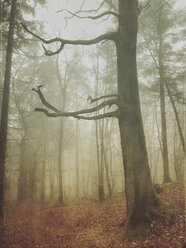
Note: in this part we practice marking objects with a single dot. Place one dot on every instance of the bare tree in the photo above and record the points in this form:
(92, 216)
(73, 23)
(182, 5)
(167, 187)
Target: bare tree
(140, 195)
(158, 52)
(162, 102)
(5, 103)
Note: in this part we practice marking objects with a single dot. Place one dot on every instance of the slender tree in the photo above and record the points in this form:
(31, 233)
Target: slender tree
(140, 195)
(162, 105)
(156, 27)
(5, 103)
(43, 173)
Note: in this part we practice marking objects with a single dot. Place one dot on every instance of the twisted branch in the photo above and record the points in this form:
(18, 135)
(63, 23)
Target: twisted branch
(76, 114)
(103, 37)
(91, 100)
(109, 12)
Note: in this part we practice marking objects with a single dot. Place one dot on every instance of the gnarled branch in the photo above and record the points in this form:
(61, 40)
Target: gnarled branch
(43, 100)
(87, 11)
(75, 114)
(103, 37)
(79, 117)
(142, 7)
(101, 97)
(109, 2)
(109, 12)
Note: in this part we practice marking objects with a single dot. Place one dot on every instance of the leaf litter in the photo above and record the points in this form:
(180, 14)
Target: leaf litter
(90, 224)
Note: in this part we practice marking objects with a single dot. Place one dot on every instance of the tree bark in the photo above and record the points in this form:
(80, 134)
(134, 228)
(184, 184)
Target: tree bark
(22, 180)
(177, 117)
(100, 174)
(101, 193)
(60, 155)
(162, 107)
(63, 89)
(52, 182)
(43, 174)
(77, 148)
(5, 103)
(140, 196)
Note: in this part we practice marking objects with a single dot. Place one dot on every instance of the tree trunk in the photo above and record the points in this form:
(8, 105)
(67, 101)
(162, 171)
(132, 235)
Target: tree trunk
(100, 174)
(101, 193)
(77, 148)
(177, 117)
(140, 195)
(5, 103)
(22, 180)
(105, 154)
(178, 160)
(43, 175)
(52, 181)
(77, 159)
(33, 175)
(162, 107)
(60, 155)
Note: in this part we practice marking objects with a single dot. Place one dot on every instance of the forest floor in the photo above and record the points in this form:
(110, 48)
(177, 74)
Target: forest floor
(92, 224)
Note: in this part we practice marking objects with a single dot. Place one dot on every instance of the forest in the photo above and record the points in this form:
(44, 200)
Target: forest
(92, 124)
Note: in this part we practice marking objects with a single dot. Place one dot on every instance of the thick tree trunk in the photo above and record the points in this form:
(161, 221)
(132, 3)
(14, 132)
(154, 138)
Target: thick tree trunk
(140, 195)
(5, 103)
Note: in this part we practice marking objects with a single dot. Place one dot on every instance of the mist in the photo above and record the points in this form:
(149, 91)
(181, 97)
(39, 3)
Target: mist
(93, 123)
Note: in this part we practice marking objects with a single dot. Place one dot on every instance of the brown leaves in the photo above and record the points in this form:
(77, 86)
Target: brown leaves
(91, 224)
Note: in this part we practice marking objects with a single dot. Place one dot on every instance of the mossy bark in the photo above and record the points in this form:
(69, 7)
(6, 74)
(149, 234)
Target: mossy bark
(140, 195)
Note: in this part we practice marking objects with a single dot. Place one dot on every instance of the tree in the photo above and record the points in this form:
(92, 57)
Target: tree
(125, 105)
(5, 103)
(13, 41)
(158, 29)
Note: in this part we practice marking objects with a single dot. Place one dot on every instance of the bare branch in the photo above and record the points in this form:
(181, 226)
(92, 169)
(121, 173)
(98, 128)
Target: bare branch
(46, 112)
(101, 116)
(103, 37)
(167, 4)
(109, 12)
(42, 98)
(112, 6)
(79, 117)
(50, 53)
(82, 4)
(150, 51)
(86, 11)
(101, 97)
(141, 8)
(75, 114)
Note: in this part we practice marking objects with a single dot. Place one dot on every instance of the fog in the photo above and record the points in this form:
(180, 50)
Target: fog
(57, 154)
